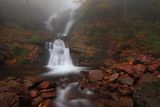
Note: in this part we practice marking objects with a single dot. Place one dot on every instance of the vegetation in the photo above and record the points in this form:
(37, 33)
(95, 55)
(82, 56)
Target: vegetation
(18, 51)
(34, 39)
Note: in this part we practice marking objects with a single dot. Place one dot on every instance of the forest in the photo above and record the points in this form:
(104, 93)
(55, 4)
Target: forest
(80, 53)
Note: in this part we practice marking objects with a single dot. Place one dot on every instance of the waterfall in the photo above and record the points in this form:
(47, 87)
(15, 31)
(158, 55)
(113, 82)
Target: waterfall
(60, 61)
(59, 54)
(70, 23)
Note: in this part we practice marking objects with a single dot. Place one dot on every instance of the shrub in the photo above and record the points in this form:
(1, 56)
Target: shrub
(34, 39)
(153, 42)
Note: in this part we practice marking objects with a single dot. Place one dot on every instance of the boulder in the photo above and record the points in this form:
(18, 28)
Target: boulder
(126, 80)
(126, 67)
(113, 77)
(154, 66)
(138, 70)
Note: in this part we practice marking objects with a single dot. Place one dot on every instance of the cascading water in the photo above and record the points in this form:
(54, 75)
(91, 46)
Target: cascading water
(59, 54)
(60, 61)
(70, 23)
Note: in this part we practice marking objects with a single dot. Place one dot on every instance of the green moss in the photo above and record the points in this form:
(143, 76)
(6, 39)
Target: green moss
(117, 35)
(34, 39)
(18, 51)
(21, 61)
(153, 42)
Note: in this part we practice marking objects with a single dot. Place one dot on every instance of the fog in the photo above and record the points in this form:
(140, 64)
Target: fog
(38, 10)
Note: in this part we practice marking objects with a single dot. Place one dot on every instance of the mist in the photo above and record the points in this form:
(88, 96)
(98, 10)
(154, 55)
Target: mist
(32, 10)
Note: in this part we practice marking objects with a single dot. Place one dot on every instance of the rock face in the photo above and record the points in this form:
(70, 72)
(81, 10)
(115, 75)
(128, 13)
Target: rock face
(95, 75)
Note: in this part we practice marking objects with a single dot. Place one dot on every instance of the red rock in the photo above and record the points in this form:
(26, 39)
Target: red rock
(126, 80)
(34, 93)
(48, 90)
(144, 59)
(139, 69)
(47, 103)
(126, 67)
(113, 77)
(124, 91)
(44, 85)
(48, 95)
(154, 66)
(125, 102)
(95, 75)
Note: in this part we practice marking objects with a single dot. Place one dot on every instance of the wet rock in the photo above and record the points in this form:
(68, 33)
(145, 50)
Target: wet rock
(47, 90)
(37, 101)
(47, 103)
(34, 93)
(113, 77)
(95, 75)
(9, 100)
(31, 81)
(126, 80)
(48, 95)
(46, 84)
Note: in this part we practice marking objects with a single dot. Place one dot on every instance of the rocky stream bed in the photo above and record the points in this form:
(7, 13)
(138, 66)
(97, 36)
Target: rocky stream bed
(133, 83)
